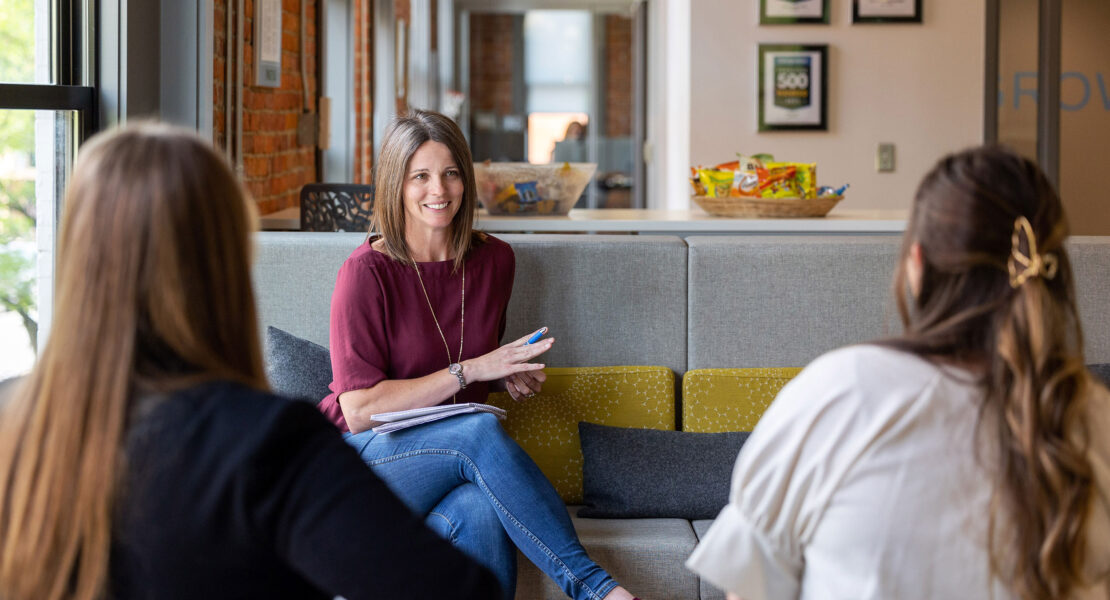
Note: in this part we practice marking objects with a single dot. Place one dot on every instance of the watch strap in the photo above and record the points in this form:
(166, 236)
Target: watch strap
(456, 369)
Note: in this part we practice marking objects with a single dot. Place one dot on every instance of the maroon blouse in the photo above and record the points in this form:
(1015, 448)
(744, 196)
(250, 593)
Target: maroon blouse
(382, 328)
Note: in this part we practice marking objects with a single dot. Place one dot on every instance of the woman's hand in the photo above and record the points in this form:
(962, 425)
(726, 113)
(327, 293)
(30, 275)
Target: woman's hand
(510, 360)
(524, 384)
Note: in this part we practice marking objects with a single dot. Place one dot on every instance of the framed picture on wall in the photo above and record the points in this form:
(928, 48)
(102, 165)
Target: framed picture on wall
(793, 87)
(793, 12)
(886, 11)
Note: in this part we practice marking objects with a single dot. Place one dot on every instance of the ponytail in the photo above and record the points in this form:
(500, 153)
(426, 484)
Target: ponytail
(1036, 401)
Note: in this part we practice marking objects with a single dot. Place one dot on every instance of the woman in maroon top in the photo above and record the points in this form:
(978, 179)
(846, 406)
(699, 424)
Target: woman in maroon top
(416, 319)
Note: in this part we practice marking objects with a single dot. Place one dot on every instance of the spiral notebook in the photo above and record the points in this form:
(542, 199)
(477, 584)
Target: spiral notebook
(403, 419)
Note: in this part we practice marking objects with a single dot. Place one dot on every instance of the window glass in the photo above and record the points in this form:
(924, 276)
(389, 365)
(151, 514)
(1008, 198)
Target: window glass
(1017, 76)
(19, 28)
(18, 219)
(1085, 115)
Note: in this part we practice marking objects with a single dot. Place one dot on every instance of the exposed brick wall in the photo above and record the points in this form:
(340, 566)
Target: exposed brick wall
(618, 76)
(491, 63)
(274, 165)
(362, 11)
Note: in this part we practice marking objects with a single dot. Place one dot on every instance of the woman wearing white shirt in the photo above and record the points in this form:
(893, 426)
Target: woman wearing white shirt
(964, 459)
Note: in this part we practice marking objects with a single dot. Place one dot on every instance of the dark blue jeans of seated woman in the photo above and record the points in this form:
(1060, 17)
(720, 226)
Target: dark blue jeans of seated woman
(474, 485)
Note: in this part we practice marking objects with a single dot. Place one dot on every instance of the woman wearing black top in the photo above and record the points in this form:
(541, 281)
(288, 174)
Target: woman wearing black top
(144, 458)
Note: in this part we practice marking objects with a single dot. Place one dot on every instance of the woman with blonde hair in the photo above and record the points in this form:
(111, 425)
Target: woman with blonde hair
(417, 317)
(144, 456)
(963, 459)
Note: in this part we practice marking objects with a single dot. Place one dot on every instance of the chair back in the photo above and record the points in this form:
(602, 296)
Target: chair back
(336, 206)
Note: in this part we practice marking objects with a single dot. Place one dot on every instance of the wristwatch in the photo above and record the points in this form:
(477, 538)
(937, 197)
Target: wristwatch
(456, 370)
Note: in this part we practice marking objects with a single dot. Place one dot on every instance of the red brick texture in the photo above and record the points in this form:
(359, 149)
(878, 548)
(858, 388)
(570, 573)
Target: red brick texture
(618, 76)
(362, 11)
(275, 166)
(491, 63)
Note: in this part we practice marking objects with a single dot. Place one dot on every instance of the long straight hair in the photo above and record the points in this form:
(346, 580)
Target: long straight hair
(402, 139)
(153, 294)
(1025, 343)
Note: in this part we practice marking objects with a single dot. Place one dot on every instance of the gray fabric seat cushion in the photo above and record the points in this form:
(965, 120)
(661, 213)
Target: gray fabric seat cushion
(708, 591)
(647, 556)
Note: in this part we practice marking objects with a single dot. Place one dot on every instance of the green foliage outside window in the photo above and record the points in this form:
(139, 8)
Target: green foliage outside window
(17, 185)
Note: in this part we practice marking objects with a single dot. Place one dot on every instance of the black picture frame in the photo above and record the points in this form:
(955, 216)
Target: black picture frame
(863, 17)
(793, 61)
(765, 19)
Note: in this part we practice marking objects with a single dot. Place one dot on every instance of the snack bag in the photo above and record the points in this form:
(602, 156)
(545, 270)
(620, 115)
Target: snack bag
(745, 184)
(717, 183)
(528, 192)
(807, 179)
(696, 184)
(778, 181)
(805, 176)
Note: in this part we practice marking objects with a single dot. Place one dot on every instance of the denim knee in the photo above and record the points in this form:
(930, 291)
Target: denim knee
(465, 511)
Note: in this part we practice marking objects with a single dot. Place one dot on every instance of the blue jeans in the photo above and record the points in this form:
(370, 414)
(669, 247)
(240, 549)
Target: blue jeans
(437, 468)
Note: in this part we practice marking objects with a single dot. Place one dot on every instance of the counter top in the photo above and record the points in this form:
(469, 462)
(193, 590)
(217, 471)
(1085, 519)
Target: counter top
(680, 222)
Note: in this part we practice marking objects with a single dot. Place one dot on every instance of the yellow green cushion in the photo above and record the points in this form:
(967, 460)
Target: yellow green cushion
(715, 400)
(546, 426)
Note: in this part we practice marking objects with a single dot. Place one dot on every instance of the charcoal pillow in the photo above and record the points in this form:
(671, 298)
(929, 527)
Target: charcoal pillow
(297, 368)
(640, 473)
(1102, 371)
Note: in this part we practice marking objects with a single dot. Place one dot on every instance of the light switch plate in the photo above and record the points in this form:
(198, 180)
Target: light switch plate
(884, 159)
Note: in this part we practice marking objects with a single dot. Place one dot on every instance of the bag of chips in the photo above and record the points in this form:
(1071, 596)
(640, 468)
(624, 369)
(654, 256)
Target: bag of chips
(717, 183)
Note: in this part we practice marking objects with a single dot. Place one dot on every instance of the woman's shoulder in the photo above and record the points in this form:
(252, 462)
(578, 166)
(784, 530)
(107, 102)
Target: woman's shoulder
(229, 410)
(366, 263)
(366, 256)
(862, 364)
(491, 244)
(868, 380)
(489, 248)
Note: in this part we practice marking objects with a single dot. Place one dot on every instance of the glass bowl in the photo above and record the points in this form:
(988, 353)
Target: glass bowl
(515, 188)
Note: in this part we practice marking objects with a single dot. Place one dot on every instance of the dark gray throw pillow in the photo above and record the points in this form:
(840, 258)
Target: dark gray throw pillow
(1102, 371)
(296, 367)
(641, 473)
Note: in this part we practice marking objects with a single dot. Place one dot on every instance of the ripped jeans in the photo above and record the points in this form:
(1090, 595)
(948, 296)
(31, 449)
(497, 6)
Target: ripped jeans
(474, 485)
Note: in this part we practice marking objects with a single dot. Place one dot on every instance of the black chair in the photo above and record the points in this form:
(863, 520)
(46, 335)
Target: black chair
(336, 206)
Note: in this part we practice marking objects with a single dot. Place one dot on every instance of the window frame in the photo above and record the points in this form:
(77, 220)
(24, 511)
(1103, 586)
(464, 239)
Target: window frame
(73, 89)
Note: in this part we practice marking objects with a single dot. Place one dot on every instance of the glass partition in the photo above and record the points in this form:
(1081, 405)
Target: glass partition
(1085, 115)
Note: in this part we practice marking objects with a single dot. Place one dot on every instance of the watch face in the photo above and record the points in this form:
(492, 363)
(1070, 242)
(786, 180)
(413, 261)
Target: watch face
(455, 368)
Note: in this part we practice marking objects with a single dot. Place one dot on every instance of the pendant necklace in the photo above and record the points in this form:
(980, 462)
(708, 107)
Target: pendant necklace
(462, 317)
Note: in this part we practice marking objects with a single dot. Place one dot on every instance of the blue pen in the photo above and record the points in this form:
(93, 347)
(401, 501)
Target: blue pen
(536, 336)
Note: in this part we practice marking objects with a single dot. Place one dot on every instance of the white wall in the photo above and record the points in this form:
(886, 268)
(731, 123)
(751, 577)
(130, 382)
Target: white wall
(917, 86)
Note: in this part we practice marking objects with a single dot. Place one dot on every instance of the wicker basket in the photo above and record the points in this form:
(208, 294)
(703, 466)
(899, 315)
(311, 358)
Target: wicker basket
(733, 206)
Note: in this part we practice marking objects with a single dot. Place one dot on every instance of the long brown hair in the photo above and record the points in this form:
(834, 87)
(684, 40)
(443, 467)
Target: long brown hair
(1022, 336)
(402, 138)
(153, 294)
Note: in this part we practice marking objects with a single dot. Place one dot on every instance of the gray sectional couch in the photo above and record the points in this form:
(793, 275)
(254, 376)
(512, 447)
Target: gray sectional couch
(698, 302)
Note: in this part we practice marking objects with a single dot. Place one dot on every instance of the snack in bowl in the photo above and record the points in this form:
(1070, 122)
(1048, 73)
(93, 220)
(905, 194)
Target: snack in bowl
(515, 188)
(760, 187)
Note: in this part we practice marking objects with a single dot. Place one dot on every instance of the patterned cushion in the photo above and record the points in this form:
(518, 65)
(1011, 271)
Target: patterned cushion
(547, 426)
(715, 400)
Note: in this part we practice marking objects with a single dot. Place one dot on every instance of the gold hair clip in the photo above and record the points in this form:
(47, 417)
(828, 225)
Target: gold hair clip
(1030, 265)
